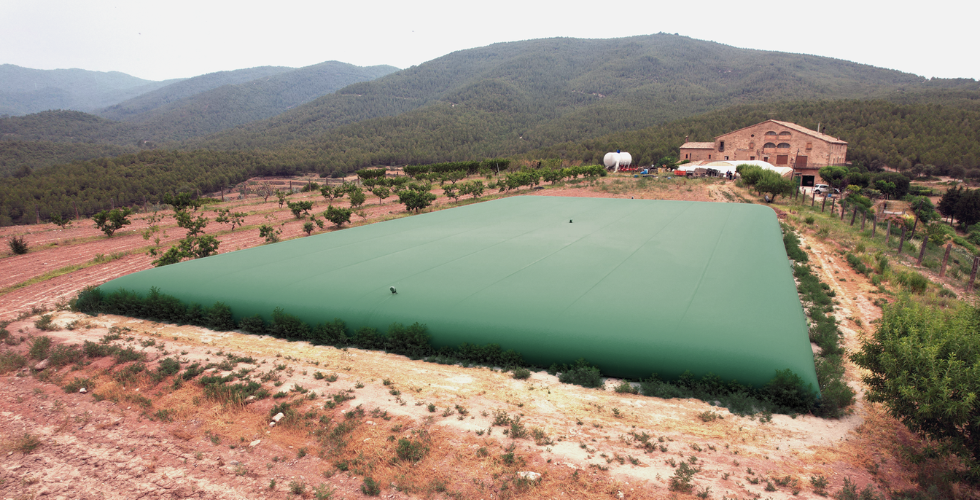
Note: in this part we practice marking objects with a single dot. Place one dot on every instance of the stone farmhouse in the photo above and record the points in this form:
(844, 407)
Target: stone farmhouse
(783, 144)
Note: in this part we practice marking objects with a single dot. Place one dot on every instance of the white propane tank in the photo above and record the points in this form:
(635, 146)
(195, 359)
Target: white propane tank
(617, 159)
(610, 160)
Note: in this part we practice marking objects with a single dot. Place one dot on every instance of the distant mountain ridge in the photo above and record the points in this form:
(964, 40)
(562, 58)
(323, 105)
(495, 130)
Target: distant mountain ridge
(510, 98)
(24, 90)
(133, 109)
(189, 108)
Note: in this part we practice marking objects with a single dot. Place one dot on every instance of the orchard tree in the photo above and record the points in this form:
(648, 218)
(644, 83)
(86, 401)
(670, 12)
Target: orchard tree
(281, 196)
(270, 233)
(416, 197)
(474, 188)
(381, 192)
(113, 220)
(337, 215)
(225, 215)
(924, 365)
(357, 197)
(300, 208)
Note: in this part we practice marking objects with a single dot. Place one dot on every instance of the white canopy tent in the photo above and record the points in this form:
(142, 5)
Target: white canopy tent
(723, 167)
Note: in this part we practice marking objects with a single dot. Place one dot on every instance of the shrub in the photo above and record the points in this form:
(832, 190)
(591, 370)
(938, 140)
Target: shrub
(792, 244)
(522, 373)
(39, 347)
(787, 390)
(913, 281)
(45, 323)
(18, 245)
(168, 366)
(412, 341)
(581, 373)
(627, 388)
(26, 443)
(370, 487)
(252, 324)
(11, 361)
(410, 450)
(64, 355)
(681, 480)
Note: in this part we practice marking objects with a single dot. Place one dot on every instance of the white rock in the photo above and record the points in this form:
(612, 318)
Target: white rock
(82, 390)
(530, 476)
(619, 494)
(272, 424)
(42, 365)
(255, 443)
(279, 416)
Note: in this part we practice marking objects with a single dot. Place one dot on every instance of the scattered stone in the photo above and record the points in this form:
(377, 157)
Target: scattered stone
(279, 416)
(619, 494)
(530, 476)
(255, 443)
(42, 365)
(233, 462)
(272, 424)
(82, 390)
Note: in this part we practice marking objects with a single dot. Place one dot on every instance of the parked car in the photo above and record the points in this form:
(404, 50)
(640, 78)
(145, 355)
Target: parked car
(825, 190)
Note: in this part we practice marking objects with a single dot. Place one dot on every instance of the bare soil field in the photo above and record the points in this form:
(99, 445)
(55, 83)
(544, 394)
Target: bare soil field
(468, 433)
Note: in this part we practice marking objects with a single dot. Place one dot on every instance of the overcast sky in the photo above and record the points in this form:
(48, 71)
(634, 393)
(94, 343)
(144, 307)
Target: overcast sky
(158, 40)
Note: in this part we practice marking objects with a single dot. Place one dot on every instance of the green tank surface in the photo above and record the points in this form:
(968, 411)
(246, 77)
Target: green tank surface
(636, 287)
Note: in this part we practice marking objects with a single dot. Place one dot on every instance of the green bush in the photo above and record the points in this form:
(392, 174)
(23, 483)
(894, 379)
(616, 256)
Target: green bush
(792, 244)
(627, 388)
(39, 347)
(168, 366)
(65, 355)
(411, 451)
(923, 362)
(11, 361)
(913, 281)
(370, 487)
(581, 373)
(522, 373)
(412, 341)
(45, 323)
(18, 245)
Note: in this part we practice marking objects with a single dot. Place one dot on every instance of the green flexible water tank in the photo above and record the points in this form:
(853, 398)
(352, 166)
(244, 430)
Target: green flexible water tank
(633, 286)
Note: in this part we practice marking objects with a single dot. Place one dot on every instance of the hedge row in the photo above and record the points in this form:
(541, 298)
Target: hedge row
(413, 341)
(471, 167)
(786, 393)
(836, 396)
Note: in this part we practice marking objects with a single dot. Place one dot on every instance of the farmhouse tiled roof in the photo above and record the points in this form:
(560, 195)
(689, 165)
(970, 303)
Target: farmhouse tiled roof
(807, 131)
(793, 126)
(698, 145)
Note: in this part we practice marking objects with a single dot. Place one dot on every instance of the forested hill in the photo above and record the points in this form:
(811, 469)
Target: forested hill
(24, 90)
(135, 108)
(877, 132)
(235, 103)
(524, 95)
